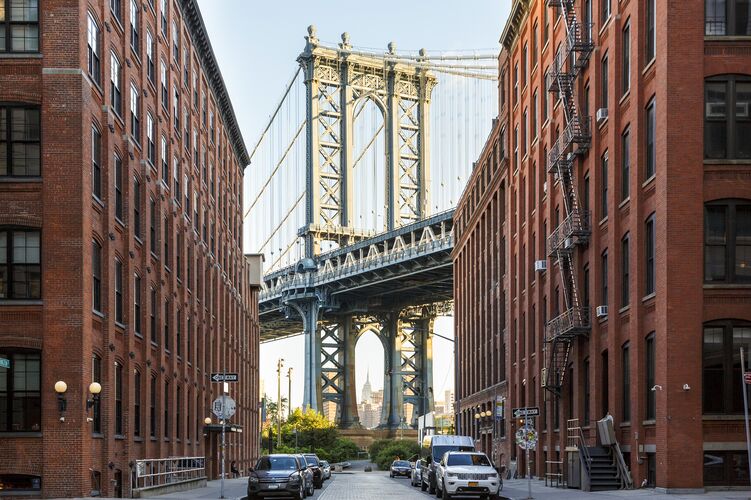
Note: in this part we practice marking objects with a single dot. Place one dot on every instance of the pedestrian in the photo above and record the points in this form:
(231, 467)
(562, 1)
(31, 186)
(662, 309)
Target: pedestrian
(233, 469)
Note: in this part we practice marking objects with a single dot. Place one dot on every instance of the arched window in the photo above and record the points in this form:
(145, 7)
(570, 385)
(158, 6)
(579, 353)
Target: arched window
(721, 365)
(727, 241)
(727, 117)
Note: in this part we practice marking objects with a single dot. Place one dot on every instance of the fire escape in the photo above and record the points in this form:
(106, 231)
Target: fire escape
(574, 229)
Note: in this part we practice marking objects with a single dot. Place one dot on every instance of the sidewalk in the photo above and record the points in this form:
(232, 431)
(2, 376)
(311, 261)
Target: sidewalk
(234, 489)
(516, 489)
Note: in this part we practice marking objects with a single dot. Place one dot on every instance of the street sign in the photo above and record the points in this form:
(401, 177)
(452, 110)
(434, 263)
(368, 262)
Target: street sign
(224, 377)
(5, 363)
(746, 375)
(526, 438)
(223, 407)
(530, 411)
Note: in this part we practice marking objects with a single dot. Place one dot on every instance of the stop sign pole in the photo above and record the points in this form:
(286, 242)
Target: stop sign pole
(745, 381)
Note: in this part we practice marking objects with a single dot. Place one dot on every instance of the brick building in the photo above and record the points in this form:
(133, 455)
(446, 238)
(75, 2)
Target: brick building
(121, 165)
(622, 270)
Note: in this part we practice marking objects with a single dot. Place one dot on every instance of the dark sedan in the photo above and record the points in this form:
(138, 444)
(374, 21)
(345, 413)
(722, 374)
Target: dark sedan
(277, 476)
(314, 464)
(400, 468)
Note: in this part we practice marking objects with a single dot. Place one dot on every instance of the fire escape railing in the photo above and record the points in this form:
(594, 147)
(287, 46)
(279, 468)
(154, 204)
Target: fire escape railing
(574, 230)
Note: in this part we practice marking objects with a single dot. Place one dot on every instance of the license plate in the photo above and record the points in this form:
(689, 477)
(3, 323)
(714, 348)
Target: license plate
(273, 486)
(472, 483)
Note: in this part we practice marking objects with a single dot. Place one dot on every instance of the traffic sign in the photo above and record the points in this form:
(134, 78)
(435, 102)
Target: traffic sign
(526, 438)
(530, 411)
(224, 377)
(223, 407)
(746, 376)
(4, 363)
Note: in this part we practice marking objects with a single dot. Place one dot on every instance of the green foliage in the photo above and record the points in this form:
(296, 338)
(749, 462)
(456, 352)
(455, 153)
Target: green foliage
(395, 449)
(377, 446)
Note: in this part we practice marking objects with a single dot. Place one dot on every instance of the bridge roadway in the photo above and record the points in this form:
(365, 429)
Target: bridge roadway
(409, 266)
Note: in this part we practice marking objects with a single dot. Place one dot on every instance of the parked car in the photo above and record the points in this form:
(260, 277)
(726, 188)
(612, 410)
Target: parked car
(416, 476)
(433, 448)
(307, 474)
(314, 464)
(326, 468)
(279, 475)
(467, 473)
(400, 468)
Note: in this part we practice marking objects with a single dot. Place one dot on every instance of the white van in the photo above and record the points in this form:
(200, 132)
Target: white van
(433, 448)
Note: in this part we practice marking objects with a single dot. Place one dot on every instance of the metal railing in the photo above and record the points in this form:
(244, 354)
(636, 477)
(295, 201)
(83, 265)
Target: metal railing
(571, 322)
(572, 228)
(153, 472)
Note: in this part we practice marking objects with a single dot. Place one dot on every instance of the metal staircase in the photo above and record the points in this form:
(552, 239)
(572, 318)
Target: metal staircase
(574, 230)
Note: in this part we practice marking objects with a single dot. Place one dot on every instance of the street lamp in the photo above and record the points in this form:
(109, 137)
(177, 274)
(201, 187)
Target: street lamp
(60, 388)
(207, 421)
(289, 392)
(279, 365)
(95, 388)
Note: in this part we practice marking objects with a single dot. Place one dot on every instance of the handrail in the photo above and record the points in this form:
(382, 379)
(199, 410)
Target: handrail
(152, 472)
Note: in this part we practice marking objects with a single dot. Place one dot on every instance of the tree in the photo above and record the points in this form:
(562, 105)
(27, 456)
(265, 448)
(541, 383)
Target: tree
(272, 410)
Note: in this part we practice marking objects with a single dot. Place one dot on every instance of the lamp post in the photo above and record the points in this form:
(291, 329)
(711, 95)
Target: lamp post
(62, 404)
(279, 365)
(289, 392)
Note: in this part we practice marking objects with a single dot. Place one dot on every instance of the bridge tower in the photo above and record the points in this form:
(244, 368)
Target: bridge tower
(337, 80)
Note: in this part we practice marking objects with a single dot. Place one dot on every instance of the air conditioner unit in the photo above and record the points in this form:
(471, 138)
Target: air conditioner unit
(601, 311)
(541, 265)
(602, 115)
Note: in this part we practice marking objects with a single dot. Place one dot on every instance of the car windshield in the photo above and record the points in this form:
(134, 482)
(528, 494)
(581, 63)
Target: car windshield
(467, 459)
(311, 460)
(438, 451)
(276, 463)
(324, 463)
(401, 463)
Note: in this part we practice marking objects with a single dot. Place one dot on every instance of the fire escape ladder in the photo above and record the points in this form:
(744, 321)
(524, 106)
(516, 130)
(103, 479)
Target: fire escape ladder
(574, 230)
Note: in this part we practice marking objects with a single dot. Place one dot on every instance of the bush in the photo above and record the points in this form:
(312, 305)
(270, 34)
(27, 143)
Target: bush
(341, 450)
(377, 446)
(400, 449)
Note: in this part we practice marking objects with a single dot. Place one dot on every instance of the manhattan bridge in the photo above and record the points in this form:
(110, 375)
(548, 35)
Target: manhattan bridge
(355, 179)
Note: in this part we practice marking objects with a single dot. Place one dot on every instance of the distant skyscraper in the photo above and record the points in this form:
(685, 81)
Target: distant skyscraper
(367, 390)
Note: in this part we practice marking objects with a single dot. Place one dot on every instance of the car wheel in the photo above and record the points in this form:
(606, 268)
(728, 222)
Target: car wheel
(311, 490)
(391, 474)
(431, 488)
(438, 492)
(446, 495)
(300, 492)
(423, 486)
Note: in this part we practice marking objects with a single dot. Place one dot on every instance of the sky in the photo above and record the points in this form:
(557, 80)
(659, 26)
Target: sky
(256, 44)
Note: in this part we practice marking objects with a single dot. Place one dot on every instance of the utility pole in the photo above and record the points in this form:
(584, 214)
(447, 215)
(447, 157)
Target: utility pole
(279, 365)
(289, 392)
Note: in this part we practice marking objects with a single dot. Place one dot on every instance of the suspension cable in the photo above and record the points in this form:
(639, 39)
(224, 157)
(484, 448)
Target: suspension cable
(375, 136)
(279, 106)
(279, 226)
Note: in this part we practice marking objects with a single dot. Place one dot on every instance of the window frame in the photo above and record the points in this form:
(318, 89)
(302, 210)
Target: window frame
(650, 361)
(96, 273)
(730, 244)
(116, 84)
(94, 56)
(727, 21)
(118, 178)
(137, 305)
(650, 245)
(11, 266)
(7, 111)
(731, 129)
(31, 423)
(118, 282)
(625, 270)
(8, 24)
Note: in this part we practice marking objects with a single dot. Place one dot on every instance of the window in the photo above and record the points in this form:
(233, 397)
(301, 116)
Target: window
(166, 409)
(626, 383)
(605, 11)
(150, 141)
(727, 17)
(165, 162)
(96, 376)
(175, 43)
(651, 151)
(19, 26)
(525, 133)
(727, 241)
(545, 24)
(585, 386)
(626, 59)
(516, 82)
(135, 115)
(186, 68)
(604, 384)
(118, 164)
(94, 56)
(650, 235)
(96, 162)
(533, 117)
(20, 393)
(137, 404)
(20, 260)
(150, 56)
(524, 65)
(604, 82)
(176, 179)
(163, 80)
(116, 7)
(721, 468)
(604, 267)
(625, 164)
(118, 399)
(96, 274)
(152, 407)
(651, 32)
(176, 109)
(152, 227)
(178, 407)
(116, 94)
(166, 320)
(19, 141)
(167, 236)
(137, 209)
(135, 42)
(624, 271)
(516, 147)
(651, 406)
(163, 9)
(534, 45)
(727, 117)
(152, 317)
(604, 185)
(137, 305)
(118, 291)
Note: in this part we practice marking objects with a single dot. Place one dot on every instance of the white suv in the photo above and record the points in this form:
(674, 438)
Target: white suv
(467, 473)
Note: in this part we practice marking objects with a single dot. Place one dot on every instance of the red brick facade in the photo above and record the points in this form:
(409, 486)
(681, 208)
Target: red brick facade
(669, 446)
(189, 259)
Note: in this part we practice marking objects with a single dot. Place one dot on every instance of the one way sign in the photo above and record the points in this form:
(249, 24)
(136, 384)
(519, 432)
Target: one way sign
(530, 411)
(224, 377)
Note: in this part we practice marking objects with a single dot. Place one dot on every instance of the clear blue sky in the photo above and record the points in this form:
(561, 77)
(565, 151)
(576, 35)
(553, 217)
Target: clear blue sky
(257, 43)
